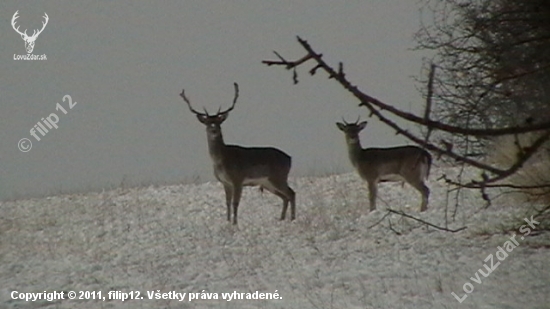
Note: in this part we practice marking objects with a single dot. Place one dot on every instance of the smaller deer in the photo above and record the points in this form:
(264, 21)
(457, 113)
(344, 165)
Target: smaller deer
(236, 166)
(409, 163)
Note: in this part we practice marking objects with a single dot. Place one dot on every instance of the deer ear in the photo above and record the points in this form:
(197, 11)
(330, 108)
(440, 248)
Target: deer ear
(362, 125)
(202, 118)
(222, 117)
(340, 126)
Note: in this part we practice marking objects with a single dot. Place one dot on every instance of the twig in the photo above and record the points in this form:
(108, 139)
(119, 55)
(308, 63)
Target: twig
(426, 222)
(392, 229)
(378, 222)
(428, 109)
(289, 64)
(430, 93)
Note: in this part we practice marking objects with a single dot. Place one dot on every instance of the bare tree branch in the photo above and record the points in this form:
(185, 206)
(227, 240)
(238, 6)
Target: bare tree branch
(366, 99)
(372, 104)
(426, 222)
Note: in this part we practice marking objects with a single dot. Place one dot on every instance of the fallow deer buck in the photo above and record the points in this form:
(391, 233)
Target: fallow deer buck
(409, 163)
(237, 166)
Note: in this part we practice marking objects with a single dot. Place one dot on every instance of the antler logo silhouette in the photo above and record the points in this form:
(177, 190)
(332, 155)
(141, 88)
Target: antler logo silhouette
(29, 40)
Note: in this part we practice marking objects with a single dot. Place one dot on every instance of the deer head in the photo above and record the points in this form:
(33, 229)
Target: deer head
(29, 40)
(351, 130)
(212, 122)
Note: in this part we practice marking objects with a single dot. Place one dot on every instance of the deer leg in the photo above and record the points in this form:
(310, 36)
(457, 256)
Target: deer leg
(424, 191)
(292, 203)
(285, 206)
(425, 196)
(237, 191)
(228, 198)
(372, 194)
(271, 188)
(287, 195)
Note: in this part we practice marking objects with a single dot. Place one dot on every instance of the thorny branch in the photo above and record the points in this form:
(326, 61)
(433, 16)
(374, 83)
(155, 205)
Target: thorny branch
(376, 107)
(368, 100)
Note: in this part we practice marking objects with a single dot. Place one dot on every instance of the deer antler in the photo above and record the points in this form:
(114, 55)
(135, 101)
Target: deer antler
(15, 16)
(234, 101)
(35, 33)
(182, 94)
(344, 121)
(356, 121)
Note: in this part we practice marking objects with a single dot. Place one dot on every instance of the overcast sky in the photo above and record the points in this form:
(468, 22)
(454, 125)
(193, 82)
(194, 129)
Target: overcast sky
(124, 63)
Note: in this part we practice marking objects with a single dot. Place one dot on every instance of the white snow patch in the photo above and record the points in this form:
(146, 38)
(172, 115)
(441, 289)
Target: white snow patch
(176, 238)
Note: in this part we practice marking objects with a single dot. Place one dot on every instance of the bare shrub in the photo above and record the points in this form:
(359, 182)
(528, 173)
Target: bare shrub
(530, 185)
(532, 181)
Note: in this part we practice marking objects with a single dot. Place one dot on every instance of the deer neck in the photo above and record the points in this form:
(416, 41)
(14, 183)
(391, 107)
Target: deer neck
(216, 147)
(354, 151)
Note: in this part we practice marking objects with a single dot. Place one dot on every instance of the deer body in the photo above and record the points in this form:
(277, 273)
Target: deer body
(236, 166)
(407, 163)
(241, 168)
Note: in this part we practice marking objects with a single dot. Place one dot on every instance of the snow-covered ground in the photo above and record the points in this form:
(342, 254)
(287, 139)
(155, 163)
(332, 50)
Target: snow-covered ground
(335, 255)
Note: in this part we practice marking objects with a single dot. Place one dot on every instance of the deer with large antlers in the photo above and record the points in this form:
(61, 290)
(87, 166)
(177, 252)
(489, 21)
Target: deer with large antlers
(29, 40)
(409, 163)
(237, 166)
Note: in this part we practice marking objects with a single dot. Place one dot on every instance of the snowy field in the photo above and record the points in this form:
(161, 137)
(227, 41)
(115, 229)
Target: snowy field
(335, 255)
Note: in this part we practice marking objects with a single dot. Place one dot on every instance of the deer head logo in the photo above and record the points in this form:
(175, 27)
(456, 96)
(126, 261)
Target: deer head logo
(29, 40)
